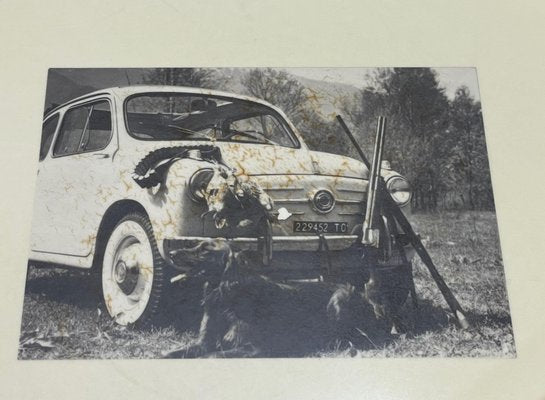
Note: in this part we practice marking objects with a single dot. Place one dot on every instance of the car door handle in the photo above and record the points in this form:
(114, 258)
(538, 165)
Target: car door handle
(101, 155)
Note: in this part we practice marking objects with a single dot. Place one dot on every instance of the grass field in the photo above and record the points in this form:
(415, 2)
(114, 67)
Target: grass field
(63, 316)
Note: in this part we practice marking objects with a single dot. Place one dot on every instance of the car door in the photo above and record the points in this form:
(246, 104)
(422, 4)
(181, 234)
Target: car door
(41, 218)
(74, 178)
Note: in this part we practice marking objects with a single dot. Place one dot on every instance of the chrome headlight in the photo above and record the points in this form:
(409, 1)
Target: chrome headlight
(400, 190)
(198, 183)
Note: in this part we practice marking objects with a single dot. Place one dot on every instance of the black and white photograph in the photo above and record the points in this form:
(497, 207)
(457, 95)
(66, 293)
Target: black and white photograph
(192, 212)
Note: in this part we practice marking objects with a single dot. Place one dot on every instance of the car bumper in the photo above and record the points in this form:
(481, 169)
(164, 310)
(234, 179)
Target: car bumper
(280, 243)
(287, 261)
(283, 245)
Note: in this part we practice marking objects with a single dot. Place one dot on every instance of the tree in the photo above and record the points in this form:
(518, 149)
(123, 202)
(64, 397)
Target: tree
(192, 77)
(286, 92)
(417, 112)
(323, 135)
(277, 87)
(438, 144)
(468, 158)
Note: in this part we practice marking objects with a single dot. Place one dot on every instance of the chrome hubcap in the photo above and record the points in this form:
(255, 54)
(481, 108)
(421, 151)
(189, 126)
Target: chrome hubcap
(120, 272)
(127, 272)
(126, 277)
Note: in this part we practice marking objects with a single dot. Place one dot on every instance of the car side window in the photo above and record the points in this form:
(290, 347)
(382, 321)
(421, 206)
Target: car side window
(72, 127)
(99, 128)
(84, 128)
(48, 131)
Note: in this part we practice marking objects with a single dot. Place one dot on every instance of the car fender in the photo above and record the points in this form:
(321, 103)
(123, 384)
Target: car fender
(171, 210)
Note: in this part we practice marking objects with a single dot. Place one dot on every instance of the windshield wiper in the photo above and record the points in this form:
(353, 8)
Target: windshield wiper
(251, 134)
(188, 132)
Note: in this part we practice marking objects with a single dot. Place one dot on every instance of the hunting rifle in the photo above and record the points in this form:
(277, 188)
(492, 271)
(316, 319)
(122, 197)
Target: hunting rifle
(393, 209)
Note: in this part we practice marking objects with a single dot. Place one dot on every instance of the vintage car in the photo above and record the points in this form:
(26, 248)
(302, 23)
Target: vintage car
(120, 190)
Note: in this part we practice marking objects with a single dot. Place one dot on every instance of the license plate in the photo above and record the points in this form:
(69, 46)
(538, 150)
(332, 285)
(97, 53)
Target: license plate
(320, 227)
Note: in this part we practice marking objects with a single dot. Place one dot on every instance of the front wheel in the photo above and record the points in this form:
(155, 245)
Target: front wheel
(132, 272)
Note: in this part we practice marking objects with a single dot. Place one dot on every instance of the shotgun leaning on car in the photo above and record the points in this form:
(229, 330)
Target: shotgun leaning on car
(377, 189)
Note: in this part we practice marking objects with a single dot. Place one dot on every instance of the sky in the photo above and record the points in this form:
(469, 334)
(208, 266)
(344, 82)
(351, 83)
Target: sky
(450, 78)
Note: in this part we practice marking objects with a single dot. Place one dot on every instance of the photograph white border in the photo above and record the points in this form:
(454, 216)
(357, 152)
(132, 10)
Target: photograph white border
(502, 40)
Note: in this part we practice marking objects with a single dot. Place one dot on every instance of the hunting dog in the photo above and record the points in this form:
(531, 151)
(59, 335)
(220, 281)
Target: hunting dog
(246, 314)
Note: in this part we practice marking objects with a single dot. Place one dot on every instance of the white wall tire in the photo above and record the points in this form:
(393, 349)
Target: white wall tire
(132, 272)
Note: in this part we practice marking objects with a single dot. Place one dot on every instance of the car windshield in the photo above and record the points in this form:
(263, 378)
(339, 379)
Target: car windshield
(176, 116)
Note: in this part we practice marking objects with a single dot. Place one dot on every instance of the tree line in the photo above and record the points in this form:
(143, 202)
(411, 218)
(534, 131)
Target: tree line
(436, 142)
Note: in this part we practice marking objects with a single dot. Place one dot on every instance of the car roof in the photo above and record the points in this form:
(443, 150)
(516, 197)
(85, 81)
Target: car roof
(126, 91)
